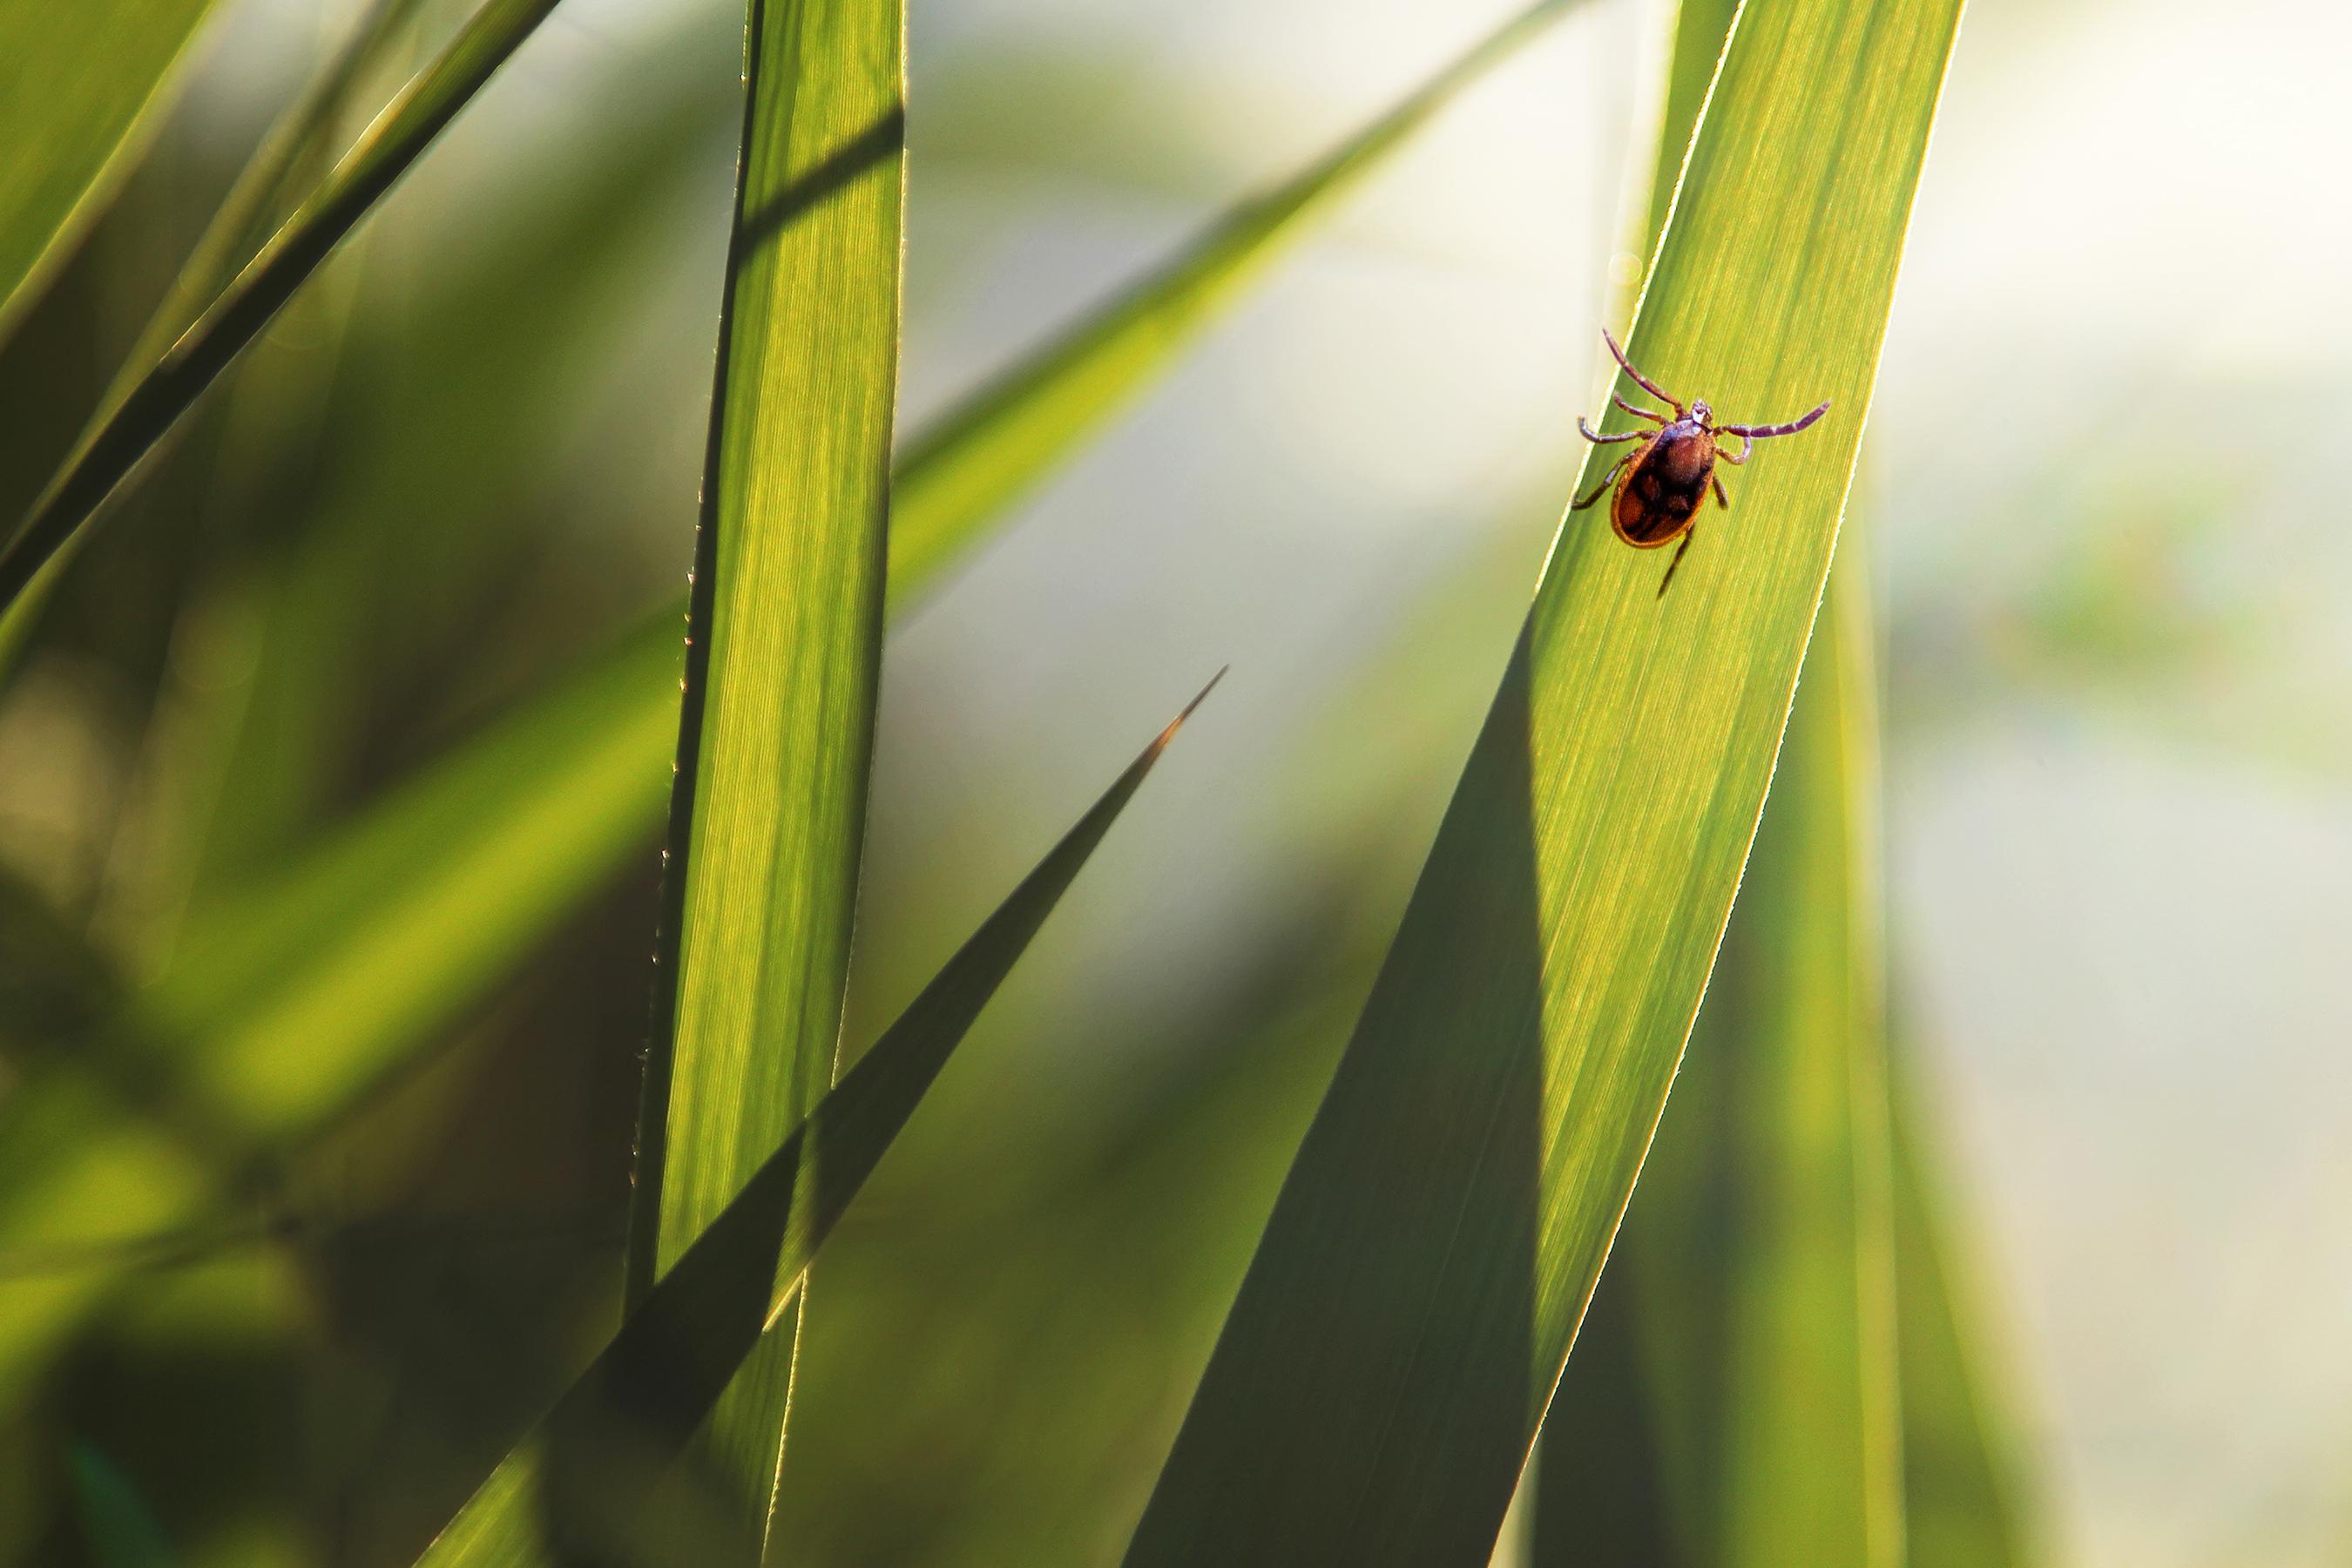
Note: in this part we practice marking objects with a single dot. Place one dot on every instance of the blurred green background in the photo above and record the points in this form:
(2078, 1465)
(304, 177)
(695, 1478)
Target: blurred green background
(2101, 468)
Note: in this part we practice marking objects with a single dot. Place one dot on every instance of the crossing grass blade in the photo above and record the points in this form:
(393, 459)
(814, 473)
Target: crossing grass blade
(298, 145)
(583, 1478)
(1966, 1501)
(989, 449)
(784, 644)
(129, 428)
(1413, 1301)
(79, 81)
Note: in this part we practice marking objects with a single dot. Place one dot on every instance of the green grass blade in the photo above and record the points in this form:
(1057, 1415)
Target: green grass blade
(1756, 1269)
(581, 1480)
(768, 815)
(78, 80)
(1376, 1387)
(961, 471)
(1966, 1499)
(293, 151)
(125, 433)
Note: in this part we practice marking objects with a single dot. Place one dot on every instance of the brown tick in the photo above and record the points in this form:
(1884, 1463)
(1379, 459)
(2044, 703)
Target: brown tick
(1662, 483)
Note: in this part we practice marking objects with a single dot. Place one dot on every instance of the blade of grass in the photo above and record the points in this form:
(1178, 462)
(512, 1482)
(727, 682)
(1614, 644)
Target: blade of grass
(784, 648)
(985, 452)
(1967, 1502)
(128, 431)
(1390, 1355)
(582, 1478)
(291, 155)
(81, 81)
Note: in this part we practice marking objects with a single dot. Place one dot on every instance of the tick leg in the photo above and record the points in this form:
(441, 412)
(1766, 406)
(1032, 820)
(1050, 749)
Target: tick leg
(1720, 498)
(1682, 550)
(1761, 432)
(1606, 480)
(1599, 441)
(1644, 382)
(1649, 413)
(1745, 447)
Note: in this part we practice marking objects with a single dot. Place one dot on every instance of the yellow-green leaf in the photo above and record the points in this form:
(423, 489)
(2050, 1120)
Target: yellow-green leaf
(77, 81)
(768, 815)
(1374, 1393)
(583, 1480)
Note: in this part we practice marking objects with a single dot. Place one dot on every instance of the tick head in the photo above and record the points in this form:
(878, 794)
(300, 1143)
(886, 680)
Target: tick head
(1703, 413)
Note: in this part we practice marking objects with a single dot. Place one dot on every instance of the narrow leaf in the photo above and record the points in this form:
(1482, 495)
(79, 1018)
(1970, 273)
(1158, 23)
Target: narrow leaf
(127, 431)
(582, 1478)
(79, 81)
(1967, 1502)
(768, 813)
(985, 452)
(1374, 1393)
(298, 145)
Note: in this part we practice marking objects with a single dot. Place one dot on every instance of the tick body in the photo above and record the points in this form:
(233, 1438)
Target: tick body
(1662, 483)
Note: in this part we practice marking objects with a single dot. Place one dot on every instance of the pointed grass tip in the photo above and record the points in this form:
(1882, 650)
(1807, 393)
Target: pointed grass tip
(1177, 723)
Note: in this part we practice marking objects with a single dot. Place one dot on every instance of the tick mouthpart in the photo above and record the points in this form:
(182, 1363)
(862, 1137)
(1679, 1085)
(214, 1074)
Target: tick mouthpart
(1702, 413)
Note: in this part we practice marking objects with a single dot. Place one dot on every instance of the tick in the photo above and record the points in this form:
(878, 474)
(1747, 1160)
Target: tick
(1662, 483)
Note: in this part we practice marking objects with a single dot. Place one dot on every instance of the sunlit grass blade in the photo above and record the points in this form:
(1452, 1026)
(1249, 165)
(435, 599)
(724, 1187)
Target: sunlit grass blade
(784, 652)
(127, 431)
(1967, 1499)
(77, 81)
(959, 472)
(1416, 1292)
(580, 1479)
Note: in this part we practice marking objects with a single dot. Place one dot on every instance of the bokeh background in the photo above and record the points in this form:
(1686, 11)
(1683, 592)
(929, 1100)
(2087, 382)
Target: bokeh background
(2101, 489)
